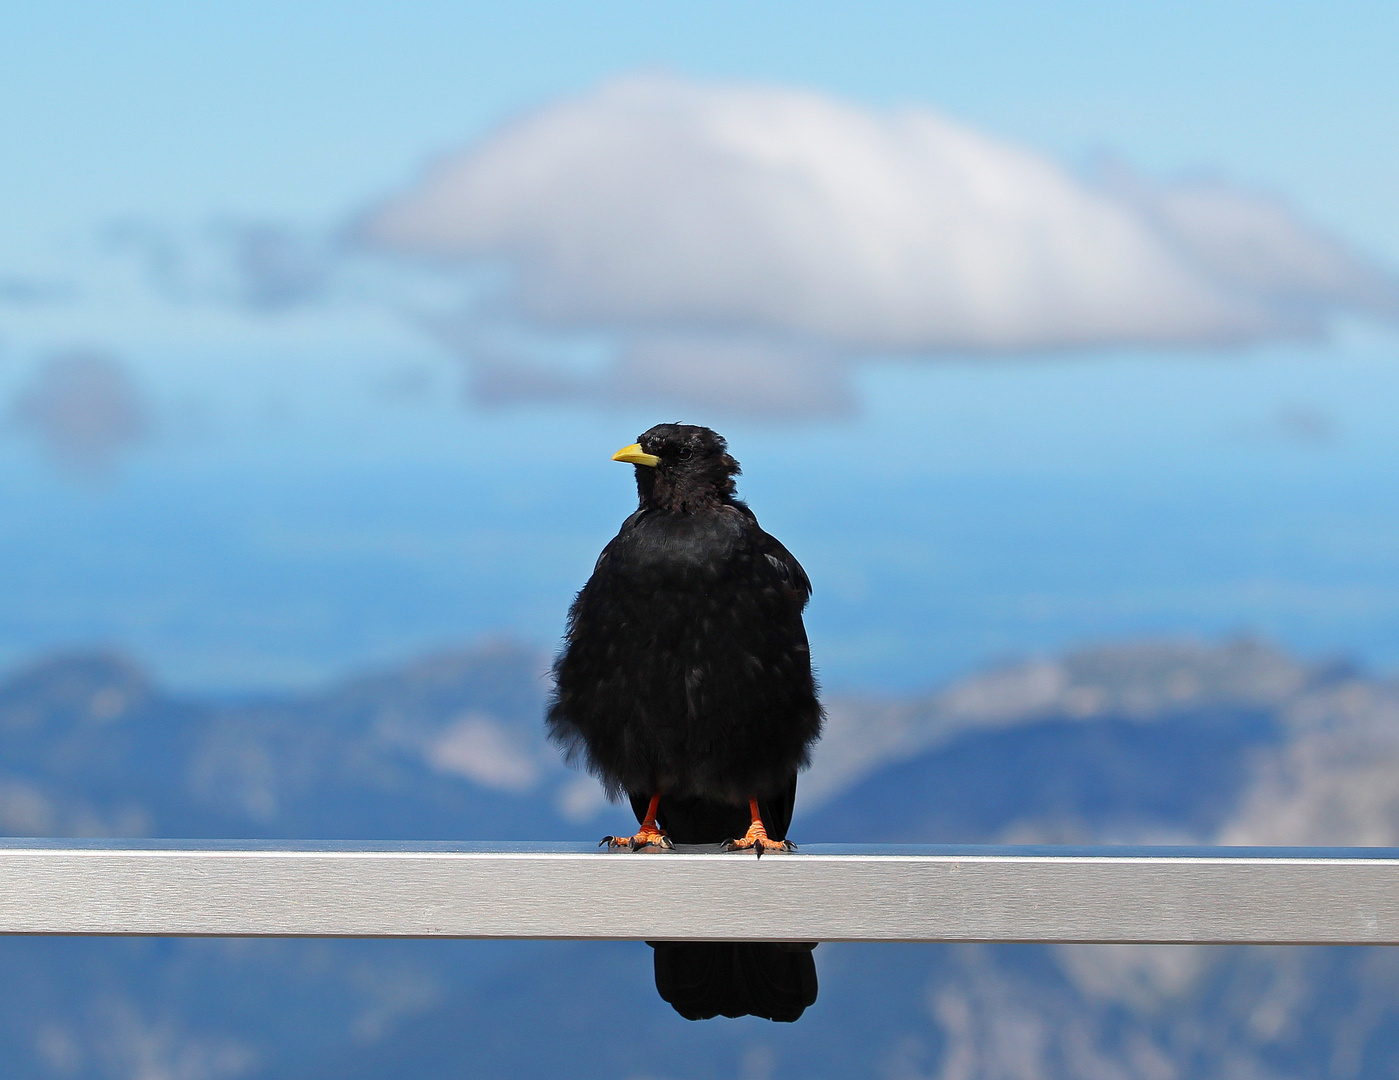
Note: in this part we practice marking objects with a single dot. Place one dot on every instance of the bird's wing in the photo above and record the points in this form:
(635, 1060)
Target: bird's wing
(795, 583)
(607, 551)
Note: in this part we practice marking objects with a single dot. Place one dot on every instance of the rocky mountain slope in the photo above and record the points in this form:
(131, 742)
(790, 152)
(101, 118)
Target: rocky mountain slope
(1144, 743)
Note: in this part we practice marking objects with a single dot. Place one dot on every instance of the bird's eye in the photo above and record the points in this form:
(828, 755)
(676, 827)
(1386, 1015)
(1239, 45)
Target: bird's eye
(685, 453)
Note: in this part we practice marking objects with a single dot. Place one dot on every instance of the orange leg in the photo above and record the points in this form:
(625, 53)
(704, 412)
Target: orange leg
(757, 836)
(650, 834)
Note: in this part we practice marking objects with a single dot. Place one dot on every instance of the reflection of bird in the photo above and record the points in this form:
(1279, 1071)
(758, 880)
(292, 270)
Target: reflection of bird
(685, 683)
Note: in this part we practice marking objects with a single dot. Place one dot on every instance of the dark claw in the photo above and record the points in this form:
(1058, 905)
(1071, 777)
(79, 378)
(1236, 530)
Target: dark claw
(759, 849)
(729, 845)
(606, 841)
(664, 842)
(787, 845)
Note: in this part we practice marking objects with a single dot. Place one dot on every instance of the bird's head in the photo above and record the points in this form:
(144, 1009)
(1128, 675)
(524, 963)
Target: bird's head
(681, 466)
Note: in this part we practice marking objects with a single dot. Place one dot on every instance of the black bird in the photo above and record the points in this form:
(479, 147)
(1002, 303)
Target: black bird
(685, 683)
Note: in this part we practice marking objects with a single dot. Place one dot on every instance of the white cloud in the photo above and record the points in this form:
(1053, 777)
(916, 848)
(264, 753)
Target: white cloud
(1254, 244)
(782, 234)
(581, 799)
(700, 370)
(482, 749)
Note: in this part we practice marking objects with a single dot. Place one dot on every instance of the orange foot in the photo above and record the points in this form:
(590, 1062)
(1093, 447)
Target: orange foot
(651, 834)
(648, 836)
(757, 836)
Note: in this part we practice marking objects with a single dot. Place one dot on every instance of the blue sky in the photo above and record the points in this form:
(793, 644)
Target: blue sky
(301, 110)
(314, 493)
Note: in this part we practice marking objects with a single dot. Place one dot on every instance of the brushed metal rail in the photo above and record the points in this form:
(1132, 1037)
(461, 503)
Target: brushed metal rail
(823, 893)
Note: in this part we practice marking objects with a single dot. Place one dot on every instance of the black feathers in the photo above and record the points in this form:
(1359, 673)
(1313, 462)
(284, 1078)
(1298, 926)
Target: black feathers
(686, 675)
(772, 979)
(686, 669)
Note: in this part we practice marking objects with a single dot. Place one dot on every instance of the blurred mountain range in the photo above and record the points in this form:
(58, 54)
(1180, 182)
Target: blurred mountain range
(1156, 742)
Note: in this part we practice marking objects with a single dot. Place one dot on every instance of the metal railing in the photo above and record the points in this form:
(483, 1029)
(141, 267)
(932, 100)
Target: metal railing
(822, 893)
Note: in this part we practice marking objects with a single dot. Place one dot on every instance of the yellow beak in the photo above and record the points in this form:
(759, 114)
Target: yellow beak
(634, 455)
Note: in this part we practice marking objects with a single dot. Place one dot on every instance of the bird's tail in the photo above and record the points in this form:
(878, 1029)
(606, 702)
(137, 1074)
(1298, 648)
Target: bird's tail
(772, 979)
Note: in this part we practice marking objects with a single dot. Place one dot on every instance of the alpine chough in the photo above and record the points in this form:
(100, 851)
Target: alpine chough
(685, 683)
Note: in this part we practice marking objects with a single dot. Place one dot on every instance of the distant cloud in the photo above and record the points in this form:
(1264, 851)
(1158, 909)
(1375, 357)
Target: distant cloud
(581, 799)
(1306, 426)
(1254, 244)
(84, 410)
(277, 268)
(1302, 426)
(483, 749)
(259, 265)
(775, 378)
(741, 245)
